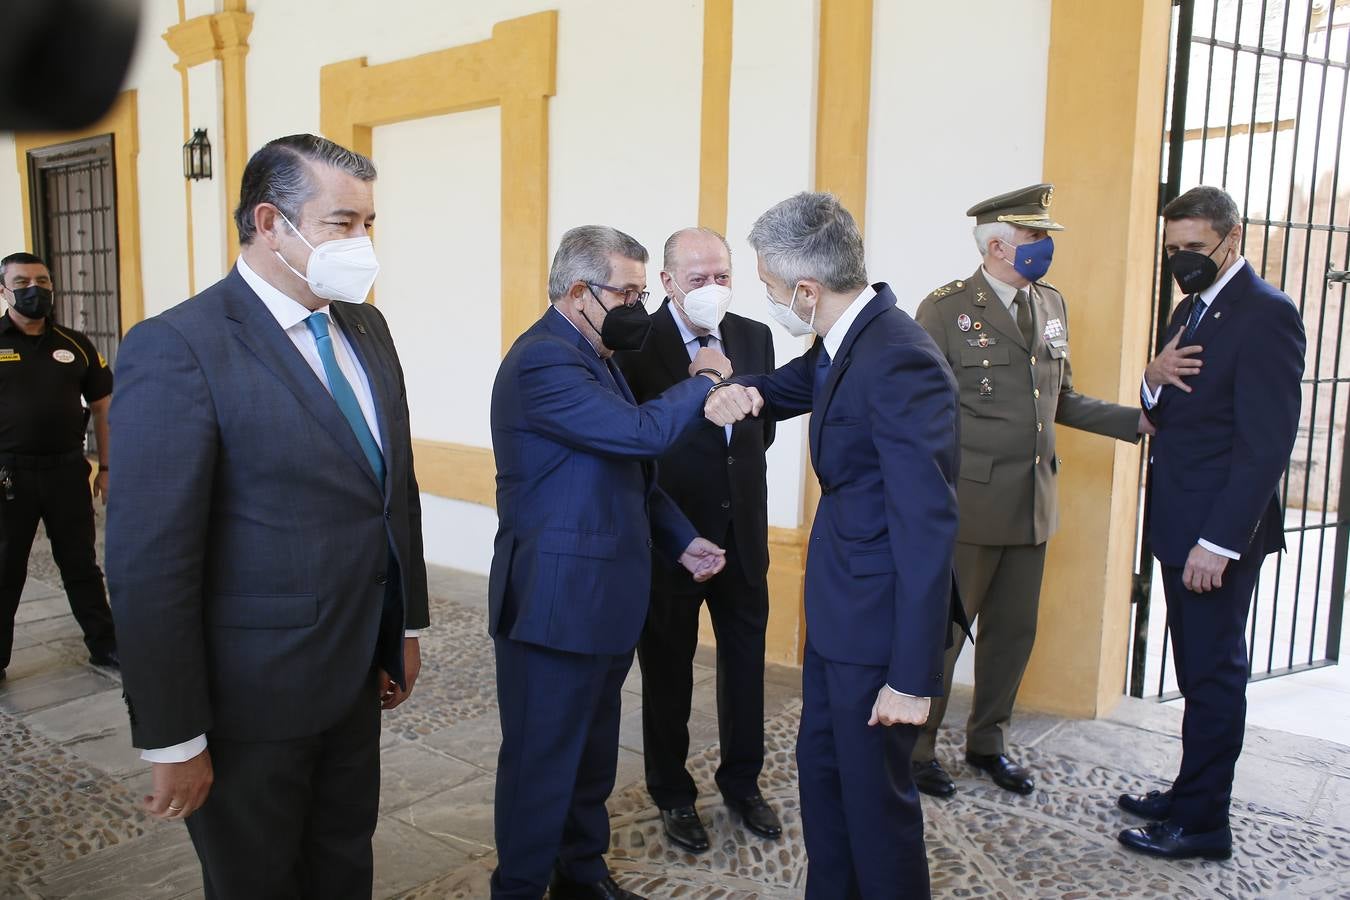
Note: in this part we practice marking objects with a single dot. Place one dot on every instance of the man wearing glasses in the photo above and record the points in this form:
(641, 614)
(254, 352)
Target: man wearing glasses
(579, 513)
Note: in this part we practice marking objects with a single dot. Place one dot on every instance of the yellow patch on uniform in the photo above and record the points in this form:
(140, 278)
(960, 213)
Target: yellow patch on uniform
(9, 356)
(103, 363)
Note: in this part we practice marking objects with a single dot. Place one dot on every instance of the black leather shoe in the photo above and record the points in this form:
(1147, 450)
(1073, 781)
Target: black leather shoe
(561, 888)
(758, 816)
(1006, 773)
(684, 828)
(1171, 841)
(1153, 805)
(106, 658)
(931, 779)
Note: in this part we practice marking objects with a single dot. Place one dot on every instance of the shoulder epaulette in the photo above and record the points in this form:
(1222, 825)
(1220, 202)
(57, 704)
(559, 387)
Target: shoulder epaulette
(951, 287)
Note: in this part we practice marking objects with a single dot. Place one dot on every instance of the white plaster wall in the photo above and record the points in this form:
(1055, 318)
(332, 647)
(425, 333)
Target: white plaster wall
(957, 116)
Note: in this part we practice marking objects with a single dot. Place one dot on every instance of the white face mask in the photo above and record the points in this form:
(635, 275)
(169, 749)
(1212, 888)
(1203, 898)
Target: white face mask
(704, 306)
(342, 270)
(787, 317)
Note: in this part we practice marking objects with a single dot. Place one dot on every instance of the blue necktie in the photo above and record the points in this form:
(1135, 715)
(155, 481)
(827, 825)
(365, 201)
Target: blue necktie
(822, 371)
(342, 392)
(1193, 320)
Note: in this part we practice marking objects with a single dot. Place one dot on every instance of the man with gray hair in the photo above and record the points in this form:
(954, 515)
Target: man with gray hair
(579, 512)
(995, 327)
(265, 539)
(883, 441)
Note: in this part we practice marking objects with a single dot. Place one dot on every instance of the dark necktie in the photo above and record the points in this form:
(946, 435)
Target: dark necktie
(703, 339)
(1193, 320)
(1023, 305)
(822, 371)
(342, 392)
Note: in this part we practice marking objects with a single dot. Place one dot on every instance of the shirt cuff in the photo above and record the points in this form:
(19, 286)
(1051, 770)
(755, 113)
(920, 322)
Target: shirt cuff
(1215, 548)
(903, 694)
(412, 633)
(1149, 398)
(178, 753)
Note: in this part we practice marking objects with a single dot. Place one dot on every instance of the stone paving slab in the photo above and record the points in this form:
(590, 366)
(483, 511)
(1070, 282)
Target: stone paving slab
(70, 824)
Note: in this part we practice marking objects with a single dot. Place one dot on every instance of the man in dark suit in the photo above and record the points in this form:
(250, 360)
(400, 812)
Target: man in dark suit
(717, 478)
(1225, 395)
(579, 512)
(265, 539)
(883, 440)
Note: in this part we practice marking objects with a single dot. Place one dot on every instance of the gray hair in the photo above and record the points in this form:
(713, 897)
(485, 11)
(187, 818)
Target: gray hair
(1204, 202)
(989, 231)
(668, 254)
(811, 236)
(279, 174)
(583, 255)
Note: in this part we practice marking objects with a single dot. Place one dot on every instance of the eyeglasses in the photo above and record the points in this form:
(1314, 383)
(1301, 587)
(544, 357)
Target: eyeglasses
(631, 296)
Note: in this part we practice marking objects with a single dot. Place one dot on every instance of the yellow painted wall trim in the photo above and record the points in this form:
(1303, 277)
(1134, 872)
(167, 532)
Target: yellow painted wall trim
(715, 140)
(220, 37)
(121, 122)
(514, 69)
(456, 471)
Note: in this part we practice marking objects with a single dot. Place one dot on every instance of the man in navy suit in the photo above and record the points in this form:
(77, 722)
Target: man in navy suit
(265, 539)
(1225, 395)
(883, 440)
(579, 513)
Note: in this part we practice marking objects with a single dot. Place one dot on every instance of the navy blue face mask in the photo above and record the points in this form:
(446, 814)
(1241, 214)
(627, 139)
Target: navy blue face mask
(1032, 260)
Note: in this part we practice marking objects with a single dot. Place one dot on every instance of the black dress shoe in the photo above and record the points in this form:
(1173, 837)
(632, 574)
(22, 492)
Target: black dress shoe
(1153, 805)
(106, 658)
(1006, 773)
(1171, 841)
(683, 827)
(931, 779)
(561, 888)
(758, 816)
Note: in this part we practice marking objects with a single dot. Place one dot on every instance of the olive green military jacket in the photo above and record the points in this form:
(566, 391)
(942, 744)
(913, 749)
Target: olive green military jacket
(1011, 397)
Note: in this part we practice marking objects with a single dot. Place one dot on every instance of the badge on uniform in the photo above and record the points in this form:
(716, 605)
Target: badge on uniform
(63, 356)
(1054, 329)
(983, 341)
(8, 355)
(963, 322)
(986, 387)
(361, 328)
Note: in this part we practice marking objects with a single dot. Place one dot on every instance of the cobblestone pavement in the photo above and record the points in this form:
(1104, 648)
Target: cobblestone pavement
(70, 825)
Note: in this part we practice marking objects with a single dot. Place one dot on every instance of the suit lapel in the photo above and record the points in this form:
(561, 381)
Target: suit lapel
(608, 376)
(667, 342)
(875, 307)
(996, 315)
(255, 327)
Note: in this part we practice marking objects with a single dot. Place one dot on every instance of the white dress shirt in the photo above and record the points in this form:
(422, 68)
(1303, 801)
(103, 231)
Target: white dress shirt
(691, 343)
(291, 316)
(1006, 292)
(1150, 397)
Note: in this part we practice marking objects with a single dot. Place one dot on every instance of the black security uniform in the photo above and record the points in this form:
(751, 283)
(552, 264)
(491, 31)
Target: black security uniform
(44, 474)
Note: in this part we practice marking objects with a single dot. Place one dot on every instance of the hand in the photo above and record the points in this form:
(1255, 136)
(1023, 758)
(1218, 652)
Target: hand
(179, 788)
(391, 694)
(731, 404)
(101, 486)
(1204, 570)
(1145, 426)
(708, 358)
(1173, 364)
(703, 559)
(896, 709)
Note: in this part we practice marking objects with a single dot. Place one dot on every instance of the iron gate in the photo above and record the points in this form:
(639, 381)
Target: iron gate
(1257, 105)
(74, 209)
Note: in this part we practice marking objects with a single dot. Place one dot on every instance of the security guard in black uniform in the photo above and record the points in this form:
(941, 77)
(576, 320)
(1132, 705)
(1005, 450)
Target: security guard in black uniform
(45, 369)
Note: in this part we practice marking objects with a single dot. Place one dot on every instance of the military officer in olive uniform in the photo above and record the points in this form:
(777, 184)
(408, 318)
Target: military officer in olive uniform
(1006, 334)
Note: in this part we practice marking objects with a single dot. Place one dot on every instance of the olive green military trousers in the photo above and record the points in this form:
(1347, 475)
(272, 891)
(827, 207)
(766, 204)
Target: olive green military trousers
(1001, 591)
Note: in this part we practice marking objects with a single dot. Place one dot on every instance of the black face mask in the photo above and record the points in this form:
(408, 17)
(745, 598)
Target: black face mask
(33, 302)
(1194, 271)
(625, 327)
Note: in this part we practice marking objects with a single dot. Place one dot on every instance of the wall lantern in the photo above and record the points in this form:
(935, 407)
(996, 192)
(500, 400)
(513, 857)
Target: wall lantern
(197, 156)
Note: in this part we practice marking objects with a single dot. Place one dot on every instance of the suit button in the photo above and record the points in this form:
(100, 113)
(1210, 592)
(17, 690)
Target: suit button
(1040, 426)
(1033, 360)
(388, 514)
(726, 504)
(651, 544)
(1036, 392)
(382, 578)
(1038, 459)
(985, 363)
(730, 460)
